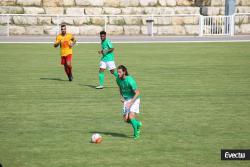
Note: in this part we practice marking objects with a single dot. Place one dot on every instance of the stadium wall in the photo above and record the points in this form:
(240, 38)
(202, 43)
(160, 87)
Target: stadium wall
(47, 25)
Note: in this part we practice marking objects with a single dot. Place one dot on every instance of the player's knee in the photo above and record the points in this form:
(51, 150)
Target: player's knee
(68, 64)
(126, 118)
(101, 70)
(131, 116)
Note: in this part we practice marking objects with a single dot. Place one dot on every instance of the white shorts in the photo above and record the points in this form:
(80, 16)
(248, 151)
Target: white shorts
(109, 64)
(134, 107)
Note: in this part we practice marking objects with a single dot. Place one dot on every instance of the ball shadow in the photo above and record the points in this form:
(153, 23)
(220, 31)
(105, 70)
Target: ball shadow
(113, 134)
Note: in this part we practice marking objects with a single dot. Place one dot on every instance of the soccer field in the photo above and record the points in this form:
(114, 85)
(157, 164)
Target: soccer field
(195, 102)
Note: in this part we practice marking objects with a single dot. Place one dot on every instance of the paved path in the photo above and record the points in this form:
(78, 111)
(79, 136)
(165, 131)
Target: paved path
(126, 39)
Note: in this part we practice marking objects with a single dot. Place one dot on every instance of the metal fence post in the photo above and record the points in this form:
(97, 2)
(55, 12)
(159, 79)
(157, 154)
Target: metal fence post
(152, 28)
(8, 25)
(58, 29)
(201, 25)
(232, 25)
(105, 22)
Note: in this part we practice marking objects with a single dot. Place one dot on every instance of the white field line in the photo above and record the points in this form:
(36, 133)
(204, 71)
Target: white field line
(133, 42)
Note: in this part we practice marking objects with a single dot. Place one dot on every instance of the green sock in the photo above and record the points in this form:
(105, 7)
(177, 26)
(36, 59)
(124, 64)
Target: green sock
(101, 78)
(134, 125)
(115, 74)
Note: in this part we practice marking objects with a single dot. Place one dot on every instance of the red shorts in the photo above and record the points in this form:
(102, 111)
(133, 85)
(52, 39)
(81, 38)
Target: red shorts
(64, 59)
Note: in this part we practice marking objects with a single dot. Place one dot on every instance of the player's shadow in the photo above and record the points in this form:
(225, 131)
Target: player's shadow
(53, 79)
(90, 86)
(94, 86)
(113, 134)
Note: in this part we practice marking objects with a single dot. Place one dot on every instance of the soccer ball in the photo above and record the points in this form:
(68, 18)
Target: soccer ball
(96, 138)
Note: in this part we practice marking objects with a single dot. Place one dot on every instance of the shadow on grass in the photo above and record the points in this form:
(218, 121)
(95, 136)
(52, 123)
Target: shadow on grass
(90, 86)
(94, 86)
(53, 79)
(113, 134)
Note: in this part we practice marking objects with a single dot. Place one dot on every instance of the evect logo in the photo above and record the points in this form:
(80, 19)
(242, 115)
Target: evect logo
(235, 155)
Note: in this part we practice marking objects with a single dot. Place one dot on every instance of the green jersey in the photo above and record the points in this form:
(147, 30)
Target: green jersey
(127, 87)
(106, 45)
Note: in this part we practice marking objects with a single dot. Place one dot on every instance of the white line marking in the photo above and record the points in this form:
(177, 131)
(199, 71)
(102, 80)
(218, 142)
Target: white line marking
(133, 42)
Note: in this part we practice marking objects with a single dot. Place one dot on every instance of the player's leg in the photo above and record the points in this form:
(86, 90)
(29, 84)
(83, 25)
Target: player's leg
(63, 62)
(69, 69)
(125, 118)
(101, 75)
(134, 109)
(66, 62)
(135, 124)
(133, 121)
(66, 69)
(125, 113)
(112, 68)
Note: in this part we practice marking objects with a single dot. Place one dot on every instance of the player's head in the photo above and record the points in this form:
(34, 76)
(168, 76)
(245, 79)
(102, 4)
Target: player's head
(63, 29)
(103, 35)
(122, 71)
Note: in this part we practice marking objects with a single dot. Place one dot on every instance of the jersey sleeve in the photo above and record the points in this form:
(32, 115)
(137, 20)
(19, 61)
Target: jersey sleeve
(109, 44)
(133, 84)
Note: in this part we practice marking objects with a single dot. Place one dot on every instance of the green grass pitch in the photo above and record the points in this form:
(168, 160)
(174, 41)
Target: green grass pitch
(195, 101)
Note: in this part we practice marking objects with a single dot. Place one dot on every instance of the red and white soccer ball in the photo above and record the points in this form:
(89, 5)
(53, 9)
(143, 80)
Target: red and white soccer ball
(96, 138)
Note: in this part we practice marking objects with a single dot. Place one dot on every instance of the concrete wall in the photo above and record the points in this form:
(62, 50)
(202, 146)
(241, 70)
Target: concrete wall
(20, 25)
(217, 7)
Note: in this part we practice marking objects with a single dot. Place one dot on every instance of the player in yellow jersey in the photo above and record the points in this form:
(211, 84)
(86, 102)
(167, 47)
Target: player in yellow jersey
(66, 41)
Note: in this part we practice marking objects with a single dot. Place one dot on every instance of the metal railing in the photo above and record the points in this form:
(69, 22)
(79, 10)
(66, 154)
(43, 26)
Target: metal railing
(217, 25)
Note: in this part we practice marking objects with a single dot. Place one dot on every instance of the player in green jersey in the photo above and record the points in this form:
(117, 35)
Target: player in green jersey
(130, 97)
(107, 60)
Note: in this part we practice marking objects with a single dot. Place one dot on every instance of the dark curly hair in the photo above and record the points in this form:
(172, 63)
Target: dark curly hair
(124, 69)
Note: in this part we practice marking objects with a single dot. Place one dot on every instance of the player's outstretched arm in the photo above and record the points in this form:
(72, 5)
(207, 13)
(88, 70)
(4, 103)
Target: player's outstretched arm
(137, 93)
(122, 98)
(56, 45)
(106, 51)
(110, 50)
(73, 42)
(57, 42)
